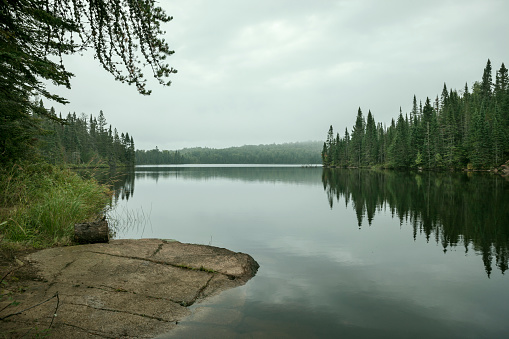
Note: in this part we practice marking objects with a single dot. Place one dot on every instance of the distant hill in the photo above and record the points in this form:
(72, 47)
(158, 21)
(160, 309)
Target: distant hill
(308, 152)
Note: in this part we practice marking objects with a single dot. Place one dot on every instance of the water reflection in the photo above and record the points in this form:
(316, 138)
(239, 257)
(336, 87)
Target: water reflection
(346, 267)
(453, 209)
(120, 180)
(252, 173)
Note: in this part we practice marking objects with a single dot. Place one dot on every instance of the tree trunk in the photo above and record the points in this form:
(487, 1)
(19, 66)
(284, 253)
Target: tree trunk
(91, 232)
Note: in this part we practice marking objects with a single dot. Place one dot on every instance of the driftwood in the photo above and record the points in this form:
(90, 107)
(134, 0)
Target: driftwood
(91, 232)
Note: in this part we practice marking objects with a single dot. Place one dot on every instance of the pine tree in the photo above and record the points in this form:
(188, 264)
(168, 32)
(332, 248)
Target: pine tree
(414, 115)
(381, 144)
(357, 139)
(346, 149)
(370, 141)
(502, 97)
(328, 148)
(416, 132)
(388, 141)
(427, 149)
(498, 138)
(102, 136)
(486, 84)
(336, 151)
(325, 160)
(129, 149)
(398, 149)
(444, 98)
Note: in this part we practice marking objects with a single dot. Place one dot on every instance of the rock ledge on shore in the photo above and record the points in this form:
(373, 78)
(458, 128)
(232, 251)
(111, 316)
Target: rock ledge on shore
(123, 289)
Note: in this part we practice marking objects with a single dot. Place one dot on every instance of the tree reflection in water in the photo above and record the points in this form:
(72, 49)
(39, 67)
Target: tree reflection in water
(452, 208)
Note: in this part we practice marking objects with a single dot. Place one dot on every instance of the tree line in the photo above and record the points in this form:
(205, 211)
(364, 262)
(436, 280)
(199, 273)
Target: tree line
(287, 153)
(84, 140)
(468, 129)
(125, 36)
(157, 157)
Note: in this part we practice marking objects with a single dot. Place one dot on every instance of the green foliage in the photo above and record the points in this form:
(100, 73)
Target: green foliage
(328, 151)
(41, 203)
(357, 139)
(34, 36)
(158, 157)
(289, 153)
(418, 159)
(399, 148)
(453, 132)
(33, 31)
(370, 141)
(84, 140)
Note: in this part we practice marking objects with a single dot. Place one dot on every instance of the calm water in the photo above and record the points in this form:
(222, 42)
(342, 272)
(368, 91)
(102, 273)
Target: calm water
(351, 254)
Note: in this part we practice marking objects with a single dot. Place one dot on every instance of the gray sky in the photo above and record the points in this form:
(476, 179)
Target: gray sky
(274, 71)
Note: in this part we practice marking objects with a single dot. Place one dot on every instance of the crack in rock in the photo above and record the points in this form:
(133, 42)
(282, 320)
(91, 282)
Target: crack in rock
(200, 291)
(124, 312)
(107, 288)
(159, 248)
(184, 267)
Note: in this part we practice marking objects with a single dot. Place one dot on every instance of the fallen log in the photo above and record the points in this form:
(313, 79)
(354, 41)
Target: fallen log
(91, 232)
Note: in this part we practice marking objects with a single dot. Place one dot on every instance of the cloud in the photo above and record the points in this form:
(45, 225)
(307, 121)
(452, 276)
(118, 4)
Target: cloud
(282, 71)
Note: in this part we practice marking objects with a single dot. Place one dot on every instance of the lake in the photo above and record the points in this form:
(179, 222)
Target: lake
(342, 253)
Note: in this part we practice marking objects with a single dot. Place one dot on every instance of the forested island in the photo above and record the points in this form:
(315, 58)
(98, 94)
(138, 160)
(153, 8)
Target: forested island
(466, 129)
(287, 153)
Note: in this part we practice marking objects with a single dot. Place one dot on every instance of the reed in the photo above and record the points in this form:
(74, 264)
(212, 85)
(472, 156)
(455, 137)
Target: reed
(40, 203)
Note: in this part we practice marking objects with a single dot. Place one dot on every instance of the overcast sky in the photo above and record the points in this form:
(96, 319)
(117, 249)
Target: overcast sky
(274, 71)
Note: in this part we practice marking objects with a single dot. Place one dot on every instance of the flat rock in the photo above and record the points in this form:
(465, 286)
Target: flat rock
(122, 289)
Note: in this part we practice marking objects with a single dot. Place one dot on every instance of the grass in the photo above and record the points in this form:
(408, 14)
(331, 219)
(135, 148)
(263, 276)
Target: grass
(40, 203)
(202, 269)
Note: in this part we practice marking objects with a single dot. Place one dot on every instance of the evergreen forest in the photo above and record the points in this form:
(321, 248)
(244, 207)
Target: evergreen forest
(288, 153)
(84, 140)
(459, 129)
(40, 199)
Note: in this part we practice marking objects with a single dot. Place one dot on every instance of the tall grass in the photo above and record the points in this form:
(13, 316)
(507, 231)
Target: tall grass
(40, 203)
